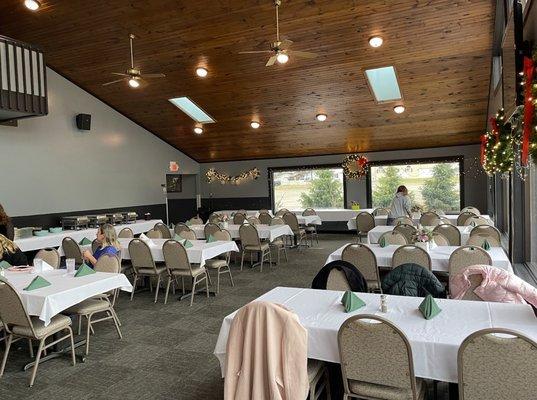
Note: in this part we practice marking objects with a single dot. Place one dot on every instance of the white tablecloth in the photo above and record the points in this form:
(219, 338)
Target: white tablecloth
(374, 234)
(336, 215)
(439, 256)
(269, 232)
(249, 213)
(65, 290)
(55, 239)
(200, 252)
(303, 220)
(382, 219)
(434, 342)
(309, 220)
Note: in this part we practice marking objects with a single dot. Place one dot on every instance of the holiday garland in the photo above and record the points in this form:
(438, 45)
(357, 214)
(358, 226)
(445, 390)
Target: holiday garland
(497, 152)
(213, 175)
(355, 166)
(529, 131)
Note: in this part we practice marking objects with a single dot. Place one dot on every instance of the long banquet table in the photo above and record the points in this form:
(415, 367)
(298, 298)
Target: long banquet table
(55, 239)
(65, 290)
(434, 342)
(374, 234)
(383, 219)
(302, 219)
(439, 256)
(269, 232)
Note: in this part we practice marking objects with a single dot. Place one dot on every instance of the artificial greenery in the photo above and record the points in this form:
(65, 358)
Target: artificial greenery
(499, 152)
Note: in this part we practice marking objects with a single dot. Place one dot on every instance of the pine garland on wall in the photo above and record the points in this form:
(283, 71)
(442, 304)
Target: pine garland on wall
(212, 175)
(497, 150)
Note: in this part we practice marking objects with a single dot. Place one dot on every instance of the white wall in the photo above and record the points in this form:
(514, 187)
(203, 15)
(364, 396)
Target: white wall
(47, 165)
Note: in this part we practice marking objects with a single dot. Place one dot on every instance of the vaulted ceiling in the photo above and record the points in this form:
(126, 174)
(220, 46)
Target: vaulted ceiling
(440, 48)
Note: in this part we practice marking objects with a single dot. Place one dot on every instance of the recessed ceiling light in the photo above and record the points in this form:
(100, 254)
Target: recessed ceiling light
(201, 72)
(282, 58)
(198, 130)
(133, 83)
(32, 4)
(376, 41)
(321, 117)
(399, 109)
(255, 124)
(192, 110)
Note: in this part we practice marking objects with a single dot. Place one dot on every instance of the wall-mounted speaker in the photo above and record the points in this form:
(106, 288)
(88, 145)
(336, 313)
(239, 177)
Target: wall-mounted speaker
(83, 122)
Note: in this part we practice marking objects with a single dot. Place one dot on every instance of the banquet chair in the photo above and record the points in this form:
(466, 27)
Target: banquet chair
(188, 234)
(210, 229)
(163, 229)
(487, 230)
(71, 249)
(337, 280)
(479, 240)
(242, 211)
(393, 238)
(196, 220)
(309, 211)
(471, 209)
(440, 240)
(411, 254)
(364, 223)
(18, 324)
(98, 304)
(444, 221)
(144, 265)
(238, 219)
(214, 218)
(381, 211)
(280, 213)
(264, 210)
(280, 243)
(497, 364)
(319, 380)
(467, 256)
(265, 218)
(221, 263)
(463, 216)
(300, 234)
(476, 221)
(311, 229)
(475, 282)
(365, 261)
(178, 265)
(450, 232)
(50, 256)
(180, 227)
(154, 234)
(125, 233)
(253, 220)
(376, 360)
(403, 221)
(408, 231)
(429, 218)
(251, 243)
(95, 245)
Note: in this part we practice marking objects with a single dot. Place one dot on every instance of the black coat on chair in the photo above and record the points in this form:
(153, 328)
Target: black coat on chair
(355, 278)
(412, 280)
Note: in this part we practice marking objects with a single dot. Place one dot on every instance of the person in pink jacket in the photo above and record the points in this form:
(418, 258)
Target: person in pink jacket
(497, 285)
(266, 357)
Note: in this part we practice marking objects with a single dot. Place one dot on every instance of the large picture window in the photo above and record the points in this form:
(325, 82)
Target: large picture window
(318, 188)
(434, 185)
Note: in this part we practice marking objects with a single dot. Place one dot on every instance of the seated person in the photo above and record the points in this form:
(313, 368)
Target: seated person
(107, 237)
(6, 226)
(11, 253)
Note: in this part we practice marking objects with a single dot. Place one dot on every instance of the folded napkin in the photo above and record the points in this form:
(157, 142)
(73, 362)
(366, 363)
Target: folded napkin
(144, 238)
(188, 223)
(84, 242)
(211, 239)
(187, 244)
(351, 302)
(84, 270)
(486, 245)
(37, 283)
(429, 308)
(382, 242)
(178, 238)
(4, 264)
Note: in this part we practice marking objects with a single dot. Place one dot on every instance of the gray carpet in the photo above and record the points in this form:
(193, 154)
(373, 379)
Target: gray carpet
(166, 351)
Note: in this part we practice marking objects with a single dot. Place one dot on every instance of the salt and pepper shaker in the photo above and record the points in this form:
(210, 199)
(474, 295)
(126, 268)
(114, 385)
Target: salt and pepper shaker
(383, 303)
(2, 274)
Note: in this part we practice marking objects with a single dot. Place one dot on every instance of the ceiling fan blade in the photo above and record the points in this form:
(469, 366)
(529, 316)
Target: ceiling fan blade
(153, 76)
(303, 54)
(286, 43)
(271, 61)
(110, 83)
(119, 73)
(255, 52)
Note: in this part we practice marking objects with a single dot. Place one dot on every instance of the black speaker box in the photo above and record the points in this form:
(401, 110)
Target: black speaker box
(83, 122)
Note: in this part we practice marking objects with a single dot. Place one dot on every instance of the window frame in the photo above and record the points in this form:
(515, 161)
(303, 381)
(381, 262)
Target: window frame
(271, 170)
(407, 161)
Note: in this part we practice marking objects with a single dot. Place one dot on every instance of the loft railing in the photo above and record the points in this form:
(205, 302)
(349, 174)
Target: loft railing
(23, 83)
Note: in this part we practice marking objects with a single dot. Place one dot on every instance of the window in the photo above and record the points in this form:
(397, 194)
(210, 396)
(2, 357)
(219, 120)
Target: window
(318, 187)
(434, 185)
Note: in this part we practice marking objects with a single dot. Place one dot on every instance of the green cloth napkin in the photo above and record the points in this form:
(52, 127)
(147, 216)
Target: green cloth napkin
(37, 283)
(188, 223)
(84, 242)
(187, 244)
(178, 238)
(4, 264)
(351, 302)
(429, 308)
(211, 239)
(84, 270)
(382, 242)
(486, 245)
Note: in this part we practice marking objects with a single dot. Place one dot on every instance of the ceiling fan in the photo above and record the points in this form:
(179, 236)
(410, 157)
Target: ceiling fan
(133, 76)
(280, 48)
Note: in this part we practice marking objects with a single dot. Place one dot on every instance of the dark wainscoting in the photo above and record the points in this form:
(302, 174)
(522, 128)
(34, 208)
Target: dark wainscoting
(181, 210)
(235, 203)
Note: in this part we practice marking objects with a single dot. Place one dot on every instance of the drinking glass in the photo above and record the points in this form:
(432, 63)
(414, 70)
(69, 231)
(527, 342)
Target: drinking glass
(70, 263)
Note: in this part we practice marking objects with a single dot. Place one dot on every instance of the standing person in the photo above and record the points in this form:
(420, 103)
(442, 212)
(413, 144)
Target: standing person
(107, 237)
(6, 226)
(400, 206)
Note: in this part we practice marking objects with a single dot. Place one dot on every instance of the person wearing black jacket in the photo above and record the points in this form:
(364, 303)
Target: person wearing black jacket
(11, 253)
(6, 226)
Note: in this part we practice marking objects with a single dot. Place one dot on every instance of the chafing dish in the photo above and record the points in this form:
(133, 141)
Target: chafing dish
(75, 222)
(115, 218)
(130, 217)
(97, 220)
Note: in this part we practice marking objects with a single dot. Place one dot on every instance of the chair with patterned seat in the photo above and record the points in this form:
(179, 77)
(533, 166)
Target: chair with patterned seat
(154, 234)
(163, 229)
(429, 218)
(253, 221)
(71, 249)
(210, 229)
(188, 234)
(487, 231)
(50, 256)
(463, 216)
(411, 254)
(221, 263)
(408, 231)
(393, 238)
(364, 223)
(251, 243)
(239, 218)
(144, 265)
(300, 233)
(126, 233)
(450, 232)
(439, 239)
(376, 361)
(180, 227)
(265, 218)
(471, 209)
(365, 261)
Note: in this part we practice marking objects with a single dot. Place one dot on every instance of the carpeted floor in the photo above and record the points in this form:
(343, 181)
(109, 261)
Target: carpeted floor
(166, 350)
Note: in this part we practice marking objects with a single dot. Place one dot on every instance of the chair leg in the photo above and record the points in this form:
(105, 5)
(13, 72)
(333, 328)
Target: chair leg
(193, 291)
(167, 289)
(133, 286)
(183, 283)
(270, 258)
(230, 277)
(242, 258)
(88, 331)
(73, 354)
(327, 384)
(217, 280)
(30, 348)
(80, 323)
(262, 255)
(116, 324)
(156, 290)
(37, 358)
(207, 283)
(6, 353)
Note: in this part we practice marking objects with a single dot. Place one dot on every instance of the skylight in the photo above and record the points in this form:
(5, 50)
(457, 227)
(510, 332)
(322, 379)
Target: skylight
(192, 110)
(383, 83)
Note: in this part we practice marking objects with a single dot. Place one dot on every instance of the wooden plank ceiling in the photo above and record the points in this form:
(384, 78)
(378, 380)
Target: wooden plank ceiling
(440, 48)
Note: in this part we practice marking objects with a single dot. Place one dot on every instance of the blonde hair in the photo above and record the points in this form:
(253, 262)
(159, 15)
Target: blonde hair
(6, 246)
(110, 236)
